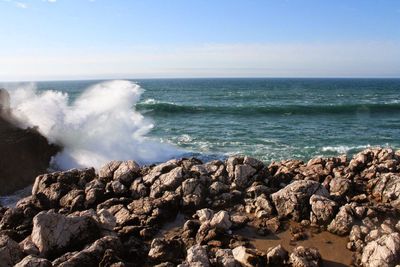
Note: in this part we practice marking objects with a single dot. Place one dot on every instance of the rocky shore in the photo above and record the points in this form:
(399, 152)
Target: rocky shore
(188, 213)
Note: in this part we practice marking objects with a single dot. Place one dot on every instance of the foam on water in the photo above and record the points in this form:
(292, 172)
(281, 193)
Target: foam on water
(100, 125)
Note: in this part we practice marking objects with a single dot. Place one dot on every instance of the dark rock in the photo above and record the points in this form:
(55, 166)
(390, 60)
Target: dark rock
(10, 252)
(24, 153)
(162, 250)
(92, 255)
(33, 261)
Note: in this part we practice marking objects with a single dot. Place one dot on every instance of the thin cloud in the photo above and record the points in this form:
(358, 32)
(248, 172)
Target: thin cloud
(21, 5)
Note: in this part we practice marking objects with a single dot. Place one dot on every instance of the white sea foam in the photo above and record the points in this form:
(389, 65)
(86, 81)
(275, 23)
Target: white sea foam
(100, 125)
(342, 149)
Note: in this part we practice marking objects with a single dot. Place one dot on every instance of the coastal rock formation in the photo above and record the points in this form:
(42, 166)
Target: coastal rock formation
(188, 213)
(24, 153)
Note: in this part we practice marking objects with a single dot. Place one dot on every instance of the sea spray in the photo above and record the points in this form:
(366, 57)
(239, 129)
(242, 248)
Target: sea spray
(100, 125)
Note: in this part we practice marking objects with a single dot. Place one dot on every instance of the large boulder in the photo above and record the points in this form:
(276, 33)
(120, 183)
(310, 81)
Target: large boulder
(383, 252)
(293, 200)
(52, 232)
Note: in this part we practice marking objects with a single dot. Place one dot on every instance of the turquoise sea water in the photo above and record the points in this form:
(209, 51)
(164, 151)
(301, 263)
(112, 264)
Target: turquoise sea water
(271, 119)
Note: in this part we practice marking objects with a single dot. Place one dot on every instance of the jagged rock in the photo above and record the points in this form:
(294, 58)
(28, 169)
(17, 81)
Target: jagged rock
(339, 186)
(386, 189)
(293, 200)
(224, 258)
(264, 208)
(10, 252)
(12, 219)
(106, 220)
(322, 209)
(73, 200)
(197, 256)
(305, 257)
(121, 214)
(138, 189)
(221, 220)
(231, 163)
(356, 237)
(204, 215)
(33, 261)
(49, 188)
(94, 192)
(383, 252)
(360, 161)
(247, 257)
(167, 182)
(117, 188)
(216, 188)
(28, 247)
(106, 172)
(162, 250)
(343, 221)
(126, 172)
(243, 174)
(277, 256)
(53, 232)
(255, 163)
(256, 190)
(92, 255)
(193, 193)
(273, 225)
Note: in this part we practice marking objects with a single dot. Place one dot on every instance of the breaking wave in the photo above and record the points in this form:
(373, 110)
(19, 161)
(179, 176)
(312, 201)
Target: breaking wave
(100, 125)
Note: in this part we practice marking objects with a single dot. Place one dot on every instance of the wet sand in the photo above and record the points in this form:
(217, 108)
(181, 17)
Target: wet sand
(331, 247)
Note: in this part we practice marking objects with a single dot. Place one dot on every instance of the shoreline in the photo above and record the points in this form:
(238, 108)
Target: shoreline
(235, 212)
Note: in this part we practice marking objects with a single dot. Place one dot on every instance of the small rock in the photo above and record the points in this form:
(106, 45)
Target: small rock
(277, 256)
(162, 250)
(305, 257)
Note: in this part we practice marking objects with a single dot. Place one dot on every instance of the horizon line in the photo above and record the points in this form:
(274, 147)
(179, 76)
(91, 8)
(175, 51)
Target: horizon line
(200, 78)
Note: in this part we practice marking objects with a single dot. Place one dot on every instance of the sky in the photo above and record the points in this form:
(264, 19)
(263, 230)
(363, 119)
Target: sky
(102, 39)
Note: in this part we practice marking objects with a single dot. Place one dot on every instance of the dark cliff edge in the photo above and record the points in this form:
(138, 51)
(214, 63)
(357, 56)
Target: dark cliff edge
(24, 153)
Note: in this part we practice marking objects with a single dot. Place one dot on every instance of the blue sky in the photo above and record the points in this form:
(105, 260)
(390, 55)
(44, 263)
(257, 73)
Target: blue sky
(77, 39)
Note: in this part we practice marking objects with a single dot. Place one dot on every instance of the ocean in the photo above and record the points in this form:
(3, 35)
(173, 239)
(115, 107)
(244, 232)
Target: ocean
(270, 119)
